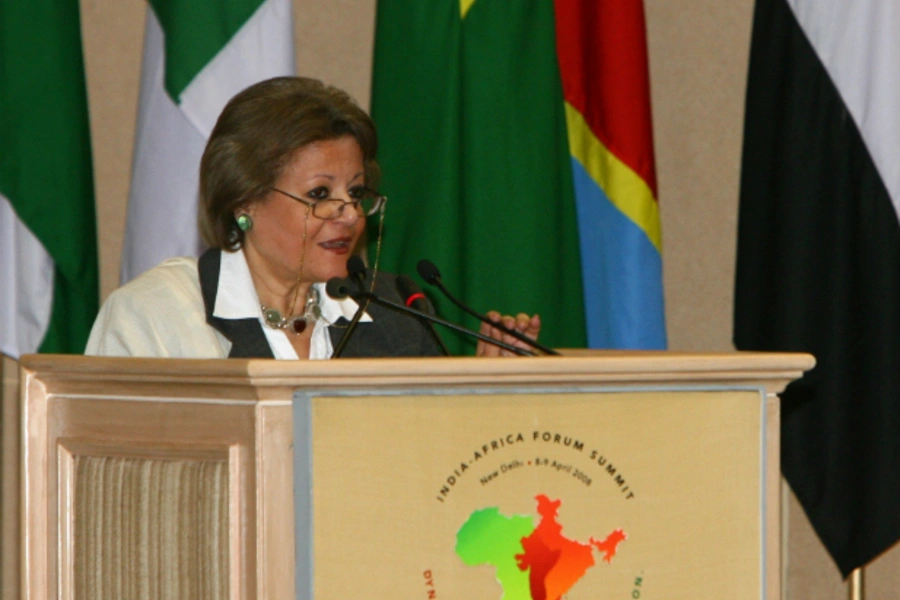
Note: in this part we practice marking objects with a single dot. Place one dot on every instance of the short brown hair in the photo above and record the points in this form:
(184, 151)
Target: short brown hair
(256, 135)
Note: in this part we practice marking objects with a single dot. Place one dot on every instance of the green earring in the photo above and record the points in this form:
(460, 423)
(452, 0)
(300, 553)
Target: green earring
(244, 222)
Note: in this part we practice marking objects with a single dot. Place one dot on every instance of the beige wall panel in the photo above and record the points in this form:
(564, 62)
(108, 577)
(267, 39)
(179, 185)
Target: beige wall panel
(113, 34)
(882, 576)
(811, 574)
(334, 43)
(698, 67)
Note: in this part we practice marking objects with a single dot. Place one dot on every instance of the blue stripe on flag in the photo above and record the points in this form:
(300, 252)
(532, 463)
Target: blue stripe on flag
(621, 273)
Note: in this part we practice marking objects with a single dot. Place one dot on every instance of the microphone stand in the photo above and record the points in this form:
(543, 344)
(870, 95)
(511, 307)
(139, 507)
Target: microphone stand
(337, 288)
(349, 331)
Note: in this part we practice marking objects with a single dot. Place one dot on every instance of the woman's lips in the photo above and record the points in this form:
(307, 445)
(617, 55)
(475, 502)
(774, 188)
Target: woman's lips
(337, 245)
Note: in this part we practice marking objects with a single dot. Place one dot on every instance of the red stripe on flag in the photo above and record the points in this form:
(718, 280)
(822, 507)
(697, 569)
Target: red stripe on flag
(601, 46)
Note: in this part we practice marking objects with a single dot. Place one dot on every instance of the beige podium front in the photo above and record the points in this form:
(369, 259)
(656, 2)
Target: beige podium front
(594, 475)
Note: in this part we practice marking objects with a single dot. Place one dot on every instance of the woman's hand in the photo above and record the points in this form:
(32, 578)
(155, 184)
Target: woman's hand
(522, 323)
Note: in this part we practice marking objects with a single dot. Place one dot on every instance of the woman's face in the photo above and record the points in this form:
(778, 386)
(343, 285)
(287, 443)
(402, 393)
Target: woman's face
(326, 169)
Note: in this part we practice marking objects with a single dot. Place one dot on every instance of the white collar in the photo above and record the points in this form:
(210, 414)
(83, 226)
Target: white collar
(236, 297)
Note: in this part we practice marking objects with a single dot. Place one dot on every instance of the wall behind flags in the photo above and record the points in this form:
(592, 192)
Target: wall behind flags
(698, 65)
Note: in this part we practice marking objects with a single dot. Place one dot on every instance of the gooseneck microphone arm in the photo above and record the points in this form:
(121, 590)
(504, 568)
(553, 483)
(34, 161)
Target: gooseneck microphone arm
(338, 288)
(430, 273)
(335, 292)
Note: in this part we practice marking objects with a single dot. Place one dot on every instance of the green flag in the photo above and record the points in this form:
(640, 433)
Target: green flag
(48, 248)
(468, 103)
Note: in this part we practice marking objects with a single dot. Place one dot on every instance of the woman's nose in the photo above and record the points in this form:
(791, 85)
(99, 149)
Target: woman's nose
(350, 214)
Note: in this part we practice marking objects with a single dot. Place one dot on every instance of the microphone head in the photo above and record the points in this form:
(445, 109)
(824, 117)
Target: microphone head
(428, 271)
(337, 288)
(407, 287)
(356, 266)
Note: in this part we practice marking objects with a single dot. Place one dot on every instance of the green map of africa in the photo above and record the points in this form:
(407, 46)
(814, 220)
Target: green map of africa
(532, 563)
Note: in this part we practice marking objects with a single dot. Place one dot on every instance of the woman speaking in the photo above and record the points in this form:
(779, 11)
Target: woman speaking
(287, 180)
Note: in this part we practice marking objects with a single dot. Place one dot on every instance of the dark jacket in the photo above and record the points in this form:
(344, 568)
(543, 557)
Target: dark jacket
(390, 334)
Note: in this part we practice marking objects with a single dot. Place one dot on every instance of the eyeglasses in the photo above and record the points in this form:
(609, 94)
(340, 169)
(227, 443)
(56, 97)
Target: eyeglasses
(332, 208)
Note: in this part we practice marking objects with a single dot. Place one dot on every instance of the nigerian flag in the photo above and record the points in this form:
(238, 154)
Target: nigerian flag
(48, 248)
(516, 145)
(197, 55)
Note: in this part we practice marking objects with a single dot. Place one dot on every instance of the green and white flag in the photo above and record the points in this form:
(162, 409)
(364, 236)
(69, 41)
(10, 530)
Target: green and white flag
(197, 55)
(48, 243)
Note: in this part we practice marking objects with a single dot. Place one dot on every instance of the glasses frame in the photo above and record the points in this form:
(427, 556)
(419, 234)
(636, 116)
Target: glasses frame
(314, 204)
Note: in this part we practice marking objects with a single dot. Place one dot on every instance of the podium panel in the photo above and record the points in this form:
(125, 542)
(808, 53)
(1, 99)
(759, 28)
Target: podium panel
(596, 475)
(147, 527)
(656, 493)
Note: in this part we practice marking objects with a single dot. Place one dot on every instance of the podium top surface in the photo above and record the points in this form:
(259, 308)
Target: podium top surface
(273, 378)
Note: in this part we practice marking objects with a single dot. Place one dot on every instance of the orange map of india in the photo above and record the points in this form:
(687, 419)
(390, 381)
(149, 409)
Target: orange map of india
(532, 563)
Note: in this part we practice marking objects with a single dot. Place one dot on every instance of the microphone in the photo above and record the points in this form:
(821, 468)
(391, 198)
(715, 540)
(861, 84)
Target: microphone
(414, 298)
(356, 268)
(412, 295)
(342, 289)
(429, 272)
(339, 289)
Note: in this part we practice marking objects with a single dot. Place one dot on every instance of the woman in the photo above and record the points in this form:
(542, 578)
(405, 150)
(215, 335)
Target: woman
(286, 182)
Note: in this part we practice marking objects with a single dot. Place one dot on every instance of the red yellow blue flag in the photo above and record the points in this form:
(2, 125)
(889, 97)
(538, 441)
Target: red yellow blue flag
(602, 51)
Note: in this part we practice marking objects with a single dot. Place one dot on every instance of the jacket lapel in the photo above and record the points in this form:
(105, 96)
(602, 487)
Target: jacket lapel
(246, 335)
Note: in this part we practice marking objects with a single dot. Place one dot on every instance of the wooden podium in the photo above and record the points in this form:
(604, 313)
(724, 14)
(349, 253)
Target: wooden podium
(594, 475)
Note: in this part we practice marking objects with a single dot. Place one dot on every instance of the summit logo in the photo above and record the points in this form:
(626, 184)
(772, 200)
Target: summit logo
(531, 562)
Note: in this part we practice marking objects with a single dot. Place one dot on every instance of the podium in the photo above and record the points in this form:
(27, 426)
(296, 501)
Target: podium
(591, 475)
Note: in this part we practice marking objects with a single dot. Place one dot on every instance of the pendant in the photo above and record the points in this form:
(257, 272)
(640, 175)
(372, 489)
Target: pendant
(298, 325)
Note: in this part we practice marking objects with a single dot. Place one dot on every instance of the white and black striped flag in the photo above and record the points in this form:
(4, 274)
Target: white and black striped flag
(818, 265)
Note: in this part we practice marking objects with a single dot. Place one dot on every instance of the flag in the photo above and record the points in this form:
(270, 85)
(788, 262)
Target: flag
(818, 266)
(602, 48)
(49, 284)
(197, 55)
(490, 120)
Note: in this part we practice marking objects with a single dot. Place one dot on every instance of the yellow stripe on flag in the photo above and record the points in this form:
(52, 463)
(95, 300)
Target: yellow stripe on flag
(625, 188)
(464, 6)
